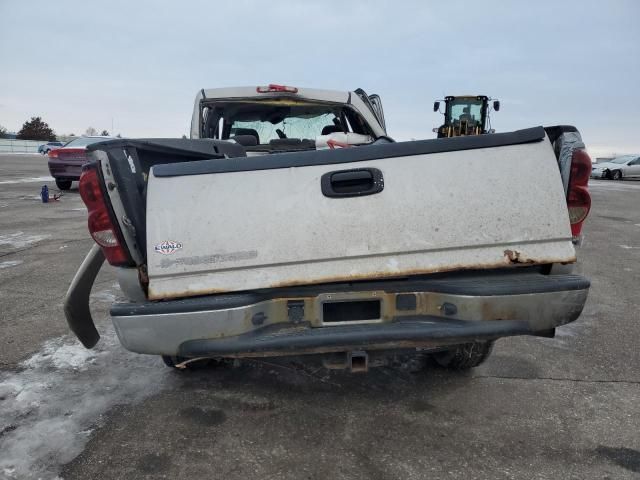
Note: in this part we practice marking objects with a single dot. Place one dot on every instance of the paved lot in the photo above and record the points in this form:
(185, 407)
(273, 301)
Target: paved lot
(567, 407)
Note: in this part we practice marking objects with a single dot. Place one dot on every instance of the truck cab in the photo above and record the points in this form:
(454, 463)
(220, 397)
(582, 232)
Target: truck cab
(277, 118)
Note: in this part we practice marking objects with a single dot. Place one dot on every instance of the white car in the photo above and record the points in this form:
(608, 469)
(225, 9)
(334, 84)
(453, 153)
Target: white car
(627, 166)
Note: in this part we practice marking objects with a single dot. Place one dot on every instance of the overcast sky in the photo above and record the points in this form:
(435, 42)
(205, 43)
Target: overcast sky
(79, 63)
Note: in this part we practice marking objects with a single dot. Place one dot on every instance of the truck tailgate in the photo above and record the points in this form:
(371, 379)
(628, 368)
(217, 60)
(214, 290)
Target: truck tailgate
(250, 223)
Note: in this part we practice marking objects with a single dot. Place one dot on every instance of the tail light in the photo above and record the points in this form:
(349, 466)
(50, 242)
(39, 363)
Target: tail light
(69, 154)
(578, 198)
(102, 228)
(272, 87)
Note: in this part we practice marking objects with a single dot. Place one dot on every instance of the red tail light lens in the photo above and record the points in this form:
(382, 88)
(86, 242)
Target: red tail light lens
(272, 87)
(74, 154)
(101, 226)
(578, 198)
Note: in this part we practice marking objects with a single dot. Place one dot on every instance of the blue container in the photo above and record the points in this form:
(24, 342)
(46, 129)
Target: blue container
(44, 194)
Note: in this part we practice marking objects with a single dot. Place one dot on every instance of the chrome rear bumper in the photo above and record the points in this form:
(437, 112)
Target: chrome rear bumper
(428, 312)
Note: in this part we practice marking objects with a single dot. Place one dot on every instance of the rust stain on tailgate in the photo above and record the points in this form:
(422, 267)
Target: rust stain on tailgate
(512, 258)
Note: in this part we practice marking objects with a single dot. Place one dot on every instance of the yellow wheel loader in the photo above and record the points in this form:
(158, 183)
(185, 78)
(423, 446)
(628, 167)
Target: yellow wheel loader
(465, 115)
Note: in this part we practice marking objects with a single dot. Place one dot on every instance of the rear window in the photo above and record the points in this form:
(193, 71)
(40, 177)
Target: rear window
(84, 141)
(310, 127)
(278, 119)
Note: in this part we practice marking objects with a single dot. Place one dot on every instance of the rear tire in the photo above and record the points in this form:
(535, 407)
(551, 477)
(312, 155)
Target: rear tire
(63, 184)
(464, 357)
(616, 175)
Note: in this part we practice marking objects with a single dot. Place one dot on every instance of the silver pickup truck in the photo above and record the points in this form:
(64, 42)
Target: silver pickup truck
(291, 225)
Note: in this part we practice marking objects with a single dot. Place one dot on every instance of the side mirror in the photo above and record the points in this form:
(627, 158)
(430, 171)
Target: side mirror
(436, 106)
(496, 105)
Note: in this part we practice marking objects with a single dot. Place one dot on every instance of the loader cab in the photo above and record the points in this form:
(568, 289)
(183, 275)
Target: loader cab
(465, 115)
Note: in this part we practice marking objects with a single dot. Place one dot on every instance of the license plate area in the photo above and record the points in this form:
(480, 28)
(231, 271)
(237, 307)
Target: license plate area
(340, 309)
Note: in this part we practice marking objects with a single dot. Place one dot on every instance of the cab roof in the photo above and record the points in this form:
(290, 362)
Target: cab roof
(335, 96)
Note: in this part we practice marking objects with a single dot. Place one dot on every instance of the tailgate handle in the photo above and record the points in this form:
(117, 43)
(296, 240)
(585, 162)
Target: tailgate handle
(352, 183)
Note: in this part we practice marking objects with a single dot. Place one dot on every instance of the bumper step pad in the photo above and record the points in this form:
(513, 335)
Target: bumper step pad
(278, 340)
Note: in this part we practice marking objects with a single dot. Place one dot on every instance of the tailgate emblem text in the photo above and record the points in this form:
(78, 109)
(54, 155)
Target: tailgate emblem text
(168, 247)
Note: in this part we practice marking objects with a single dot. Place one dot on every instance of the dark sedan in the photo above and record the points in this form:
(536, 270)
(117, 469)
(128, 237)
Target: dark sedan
(65, 163)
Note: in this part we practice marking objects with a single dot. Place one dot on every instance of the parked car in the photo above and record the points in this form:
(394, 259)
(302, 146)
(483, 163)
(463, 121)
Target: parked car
(47, 147)
(65, 163)
(626, 166)
(356, 255)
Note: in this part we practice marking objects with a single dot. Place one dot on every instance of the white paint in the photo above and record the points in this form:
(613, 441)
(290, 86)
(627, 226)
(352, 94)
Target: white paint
(628, 247)
(27, 180)
(21, 239)
(59, 397)
(9, 263)
(275, 227)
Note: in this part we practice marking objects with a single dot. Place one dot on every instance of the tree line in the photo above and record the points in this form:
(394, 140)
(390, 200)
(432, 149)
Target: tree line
(37, 129)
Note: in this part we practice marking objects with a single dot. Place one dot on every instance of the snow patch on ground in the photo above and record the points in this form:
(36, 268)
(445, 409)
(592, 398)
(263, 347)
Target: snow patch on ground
(27, 180)
(565, 335)
(73, 356)
(31, 197)
(33, 154)
(104, 296)
(611, 185)
(9, 263)
(49, 408)
(21, 239)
